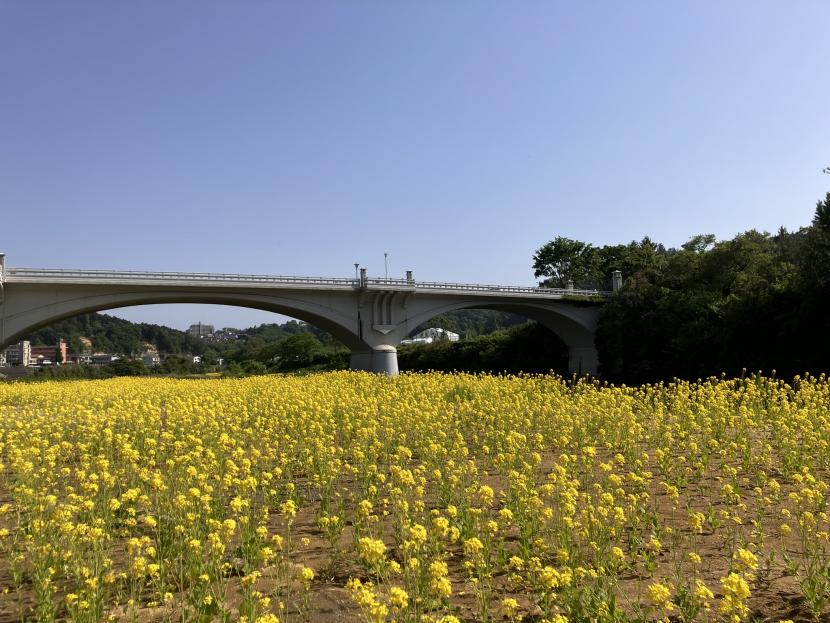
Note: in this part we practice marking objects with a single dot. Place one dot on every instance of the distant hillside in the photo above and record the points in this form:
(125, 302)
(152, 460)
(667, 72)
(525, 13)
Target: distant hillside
(114, 335)
(474, 322)
(465, 322)
(270, 332)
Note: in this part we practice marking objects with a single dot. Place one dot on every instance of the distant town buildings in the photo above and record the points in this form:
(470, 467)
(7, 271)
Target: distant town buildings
(201, 331)
(433, 334)
(19, 354)
(208, 333)
(227, 334)
(23, 358)
(98, 359)
(24, 354)
(54, 354)
(151, 359)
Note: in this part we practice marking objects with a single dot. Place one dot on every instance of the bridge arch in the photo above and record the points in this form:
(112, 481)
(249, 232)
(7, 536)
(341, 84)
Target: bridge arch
(574, 324)
(40, 313)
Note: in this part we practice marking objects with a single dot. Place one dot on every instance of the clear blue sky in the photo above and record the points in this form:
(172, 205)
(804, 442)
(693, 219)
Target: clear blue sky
(264, 137)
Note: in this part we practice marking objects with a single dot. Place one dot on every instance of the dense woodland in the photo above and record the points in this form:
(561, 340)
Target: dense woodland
(108, 334)
(755, 302)
(527, 347)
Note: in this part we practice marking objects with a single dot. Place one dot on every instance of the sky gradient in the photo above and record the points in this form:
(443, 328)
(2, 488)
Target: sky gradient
(299, 138)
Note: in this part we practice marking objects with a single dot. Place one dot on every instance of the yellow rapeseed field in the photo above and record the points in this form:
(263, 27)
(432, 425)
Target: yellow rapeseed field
(430, 497)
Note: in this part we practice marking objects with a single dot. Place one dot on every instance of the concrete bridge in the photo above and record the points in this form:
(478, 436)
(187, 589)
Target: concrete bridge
(370, 316)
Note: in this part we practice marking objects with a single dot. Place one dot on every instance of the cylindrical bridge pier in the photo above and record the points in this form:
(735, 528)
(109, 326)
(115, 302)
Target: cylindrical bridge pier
(383, 359)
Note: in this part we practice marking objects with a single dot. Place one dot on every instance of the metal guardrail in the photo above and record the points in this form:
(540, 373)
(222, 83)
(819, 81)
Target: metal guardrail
(103, 276)
(27, 274)
(478, 287)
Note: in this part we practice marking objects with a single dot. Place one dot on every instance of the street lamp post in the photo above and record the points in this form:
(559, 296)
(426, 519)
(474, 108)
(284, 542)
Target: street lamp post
(385, 266)
(356, 276)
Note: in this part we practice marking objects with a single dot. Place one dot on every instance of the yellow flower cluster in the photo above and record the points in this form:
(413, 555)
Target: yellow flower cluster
(441, 496)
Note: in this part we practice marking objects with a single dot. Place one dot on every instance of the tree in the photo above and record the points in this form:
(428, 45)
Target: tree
(127, 367)
(815, 254)
(297, 351)
(563, 259)
(821, 219)
(254, 367)
(699, 243)
(176, 364)
(706, 309)
(234, 369)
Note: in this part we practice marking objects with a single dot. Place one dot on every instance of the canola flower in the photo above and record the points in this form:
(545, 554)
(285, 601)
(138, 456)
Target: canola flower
(441, 497)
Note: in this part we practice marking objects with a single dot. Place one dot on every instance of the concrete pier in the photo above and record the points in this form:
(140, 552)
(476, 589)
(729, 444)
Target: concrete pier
(384, 360)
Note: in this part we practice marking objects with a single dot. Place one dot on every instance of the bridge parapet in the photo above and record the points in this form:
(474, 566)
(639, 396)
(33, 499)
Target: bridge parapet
(470, 288)
(61, 275)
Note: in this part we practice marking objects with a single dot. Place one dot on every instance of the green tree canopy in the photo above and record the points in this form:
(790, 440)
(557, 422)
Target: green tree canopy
(297, 351)
(589, 267)
(564, 259)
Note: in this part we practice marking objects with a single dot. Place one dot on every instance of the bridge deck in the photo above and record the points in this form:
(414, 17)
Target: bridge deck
(110, 277)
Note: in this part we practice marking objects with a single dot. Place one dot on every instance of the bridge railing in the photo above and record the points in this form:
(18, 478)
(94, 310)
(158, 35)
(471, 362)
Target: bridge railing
(135, 275)
(479, 287)
(59, 274)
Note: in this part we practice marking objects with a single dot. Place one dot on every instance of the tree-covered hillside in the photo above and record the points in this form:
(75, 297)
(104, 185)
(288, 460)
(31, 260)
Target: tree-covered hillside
(104, 333)
(473, 322)
(114, 335)
(755, 302)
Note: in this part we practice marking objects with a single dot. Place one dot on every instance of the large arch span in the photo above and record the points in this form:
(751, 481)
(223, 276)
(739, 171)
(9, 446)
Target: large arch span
(41, 311)
(369, 316)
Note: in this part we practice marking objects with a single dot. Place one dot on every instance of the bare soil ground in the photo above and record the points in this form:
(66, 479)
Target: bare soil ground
(776, 593)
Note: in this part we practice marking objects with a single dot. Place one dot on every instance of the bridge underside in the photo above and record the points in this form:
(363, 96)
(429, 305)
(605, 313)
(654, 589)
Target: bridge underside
(371, 323)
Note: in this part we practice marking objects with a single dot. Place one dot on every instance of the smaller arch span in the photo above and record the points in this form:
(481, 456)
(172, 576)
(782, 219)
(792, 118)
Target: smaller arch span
(574, 325)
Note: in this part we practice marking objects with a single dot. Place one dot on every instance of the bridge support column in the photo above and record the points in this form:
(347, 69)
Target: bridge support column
(383, 360)
(583, 360)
